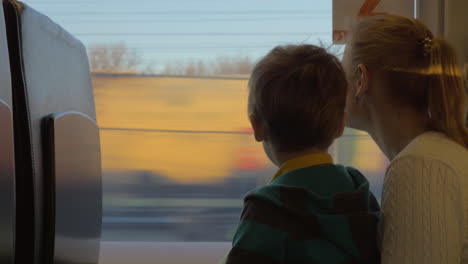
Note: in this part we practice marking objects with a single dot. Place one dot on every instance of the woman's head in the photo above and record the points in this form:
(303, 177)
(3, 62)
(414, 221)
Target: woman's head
(396, 62)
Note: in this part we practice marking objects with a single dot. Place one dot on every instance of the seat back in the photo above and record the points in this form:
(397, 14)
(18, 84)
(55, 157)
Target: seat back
(58, 166)
(7, 170)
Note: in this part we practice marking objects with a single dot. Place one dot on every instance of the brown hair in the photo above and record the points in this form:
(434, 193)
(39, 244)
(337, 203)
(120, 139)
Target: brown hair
(422, 70)
(298, 92)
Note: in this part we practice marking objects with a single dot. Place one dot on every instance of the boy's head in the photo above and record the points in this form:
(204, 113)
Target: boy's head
(297, 96)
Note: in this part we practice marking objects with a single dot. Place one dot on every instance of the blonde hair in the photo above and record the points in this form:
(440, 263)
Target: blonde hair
(466, 76)
(422, 70)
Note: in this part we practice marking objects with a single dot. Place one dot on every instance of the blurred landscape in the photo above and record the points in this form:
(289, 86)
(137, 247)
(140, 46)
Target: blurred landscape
(178, 156)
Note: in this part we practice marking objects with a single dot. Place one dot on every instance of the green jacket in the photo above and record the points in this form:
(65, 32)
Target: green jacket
(321, 214)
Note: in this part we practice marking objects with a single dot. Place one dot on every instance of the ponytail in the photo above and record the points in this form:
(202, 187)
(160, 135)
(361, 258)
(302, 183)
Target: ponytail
(447, 96)
(422, 72)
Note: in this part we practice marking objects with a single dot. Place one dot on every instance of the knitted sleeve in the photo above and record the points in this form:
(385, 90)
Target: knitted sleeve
(422, 213)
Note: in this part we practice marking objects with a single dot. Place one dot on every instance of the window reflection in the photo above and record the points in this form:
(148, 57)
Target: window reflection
(170, 85)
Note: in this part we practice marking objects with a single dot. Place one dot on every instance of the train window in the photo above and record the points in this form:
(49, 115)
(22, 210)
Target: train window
(170, 82)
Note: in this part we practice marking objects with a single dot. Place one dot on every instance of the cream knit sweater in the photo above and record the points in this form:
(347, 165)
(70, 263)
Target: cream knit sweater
(425, 203)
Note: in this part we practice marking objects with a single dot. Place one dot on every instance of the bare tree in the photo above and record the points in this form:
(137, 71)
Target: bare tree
(191, 69)
(202, 69)
(113, 57)
(221, 66)
(233, 65)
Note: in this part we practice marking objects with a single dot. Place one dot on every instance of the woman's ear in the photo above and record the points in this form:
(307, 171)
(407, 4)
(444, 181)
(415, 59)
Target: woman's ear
(362, 81)
(258, 128)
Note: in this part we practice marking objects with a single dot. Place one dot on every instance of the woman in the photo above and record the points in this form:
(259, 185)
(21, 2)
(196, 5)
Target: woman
(406, 91)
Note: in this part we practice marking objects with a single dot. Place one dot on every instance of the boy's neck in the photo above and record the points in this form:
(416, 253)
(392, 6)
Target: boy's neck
(282, 157)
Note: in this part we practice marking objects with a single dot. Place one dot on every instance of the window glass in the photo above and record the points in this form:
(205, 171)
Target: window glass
(170, 84)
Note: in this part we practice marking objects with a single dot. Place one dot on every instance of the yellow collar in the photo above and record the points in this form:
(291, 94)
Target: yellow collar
(303, 162)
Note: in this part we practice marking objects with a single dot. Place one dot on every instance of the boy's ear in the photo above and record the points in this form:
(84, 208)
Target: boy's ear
(258, 128)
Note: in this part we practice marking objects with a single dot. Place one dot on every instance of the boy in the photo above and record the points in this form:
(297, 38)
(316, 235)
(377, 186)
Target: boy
(312, 211)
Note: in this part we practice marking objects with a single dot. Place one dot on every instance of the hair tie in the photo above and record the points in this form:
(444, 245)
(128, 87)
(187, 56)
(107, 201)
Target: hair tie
(427, 46)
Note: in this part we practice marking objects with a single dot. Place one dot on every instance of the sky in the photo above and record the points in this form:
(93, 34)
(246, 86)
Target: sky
(180, 30)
